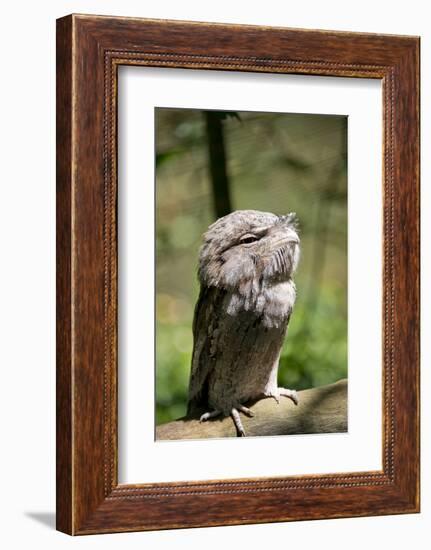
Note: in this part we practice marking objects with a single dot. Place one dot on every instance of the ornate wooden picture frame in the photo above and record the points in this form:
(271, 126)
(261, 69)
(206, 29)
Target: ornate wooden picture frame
(89, 51)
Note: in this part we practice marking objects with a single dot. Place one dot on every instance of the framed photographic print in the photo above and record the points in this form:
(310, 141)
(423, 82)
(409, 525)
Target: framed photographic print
(237, 274)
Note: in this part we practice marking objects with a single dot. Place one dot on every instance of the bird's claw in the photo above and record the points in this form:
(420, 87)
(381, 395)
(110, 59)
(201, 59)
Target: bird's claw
(206, 416)
(285, 392)
(237, 419)
(291, 394)
(248, 412)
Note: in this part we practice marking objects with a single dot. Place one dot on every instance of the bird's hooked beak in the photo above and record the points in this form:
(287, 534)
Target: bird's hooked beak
(290, 220)
(294, 239)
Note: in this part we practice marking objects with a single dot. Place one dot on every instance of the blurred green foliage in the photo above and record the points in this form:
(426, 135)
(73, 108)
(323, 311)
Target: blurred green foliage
(277, 163)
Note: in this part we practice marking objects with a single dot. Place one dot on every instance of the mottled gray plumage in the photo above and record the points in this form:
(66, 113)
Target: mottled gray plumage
(246, 264)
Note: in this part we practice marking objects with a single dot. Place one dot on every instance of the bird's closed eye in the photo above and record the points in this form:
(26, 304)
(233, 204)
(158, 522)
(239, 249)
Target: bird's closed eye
(248, 238)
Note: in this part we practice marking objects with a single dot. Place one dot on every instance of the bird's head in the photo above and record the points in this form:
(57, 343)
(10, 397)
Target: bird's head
(248, 249)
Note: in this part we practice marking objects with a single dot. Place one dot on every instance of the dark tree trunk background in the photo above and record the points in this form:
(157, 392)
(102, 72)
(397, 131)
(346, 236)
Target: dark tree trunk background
(217, 163)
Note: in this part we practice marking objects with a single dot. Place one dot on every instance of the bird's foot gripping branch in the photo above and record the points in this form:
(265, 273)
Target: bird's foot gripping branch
(321, 410)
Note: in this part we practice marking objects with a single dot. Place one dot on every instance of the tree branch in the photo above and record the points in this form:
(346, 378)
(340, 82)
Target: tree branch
(320, 410)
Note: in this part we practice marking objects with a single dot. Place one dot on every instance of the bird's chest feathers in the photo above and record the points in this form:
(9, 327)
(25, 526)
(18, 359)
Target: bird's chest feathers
(272, 303)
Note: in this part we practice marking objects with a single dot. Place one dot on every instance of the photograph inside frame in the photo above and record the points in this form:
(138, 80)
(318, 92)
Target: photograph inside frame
(251, 274)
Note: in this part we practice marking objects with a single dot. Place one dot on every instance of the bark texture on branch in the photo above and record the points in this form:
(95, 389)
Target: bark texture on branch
(320, 410)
